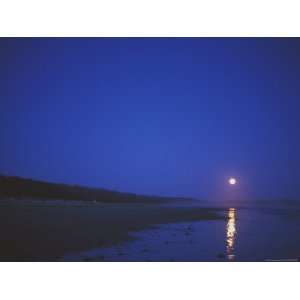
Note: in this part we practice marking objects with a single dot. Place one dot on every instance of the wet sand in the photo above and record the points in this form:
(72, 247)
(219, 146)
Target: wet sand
(33, 230)
(248, 234)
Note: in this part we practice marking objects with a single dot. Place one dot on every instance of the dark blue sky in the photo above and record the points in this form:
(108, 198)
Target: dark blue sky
(155, 116)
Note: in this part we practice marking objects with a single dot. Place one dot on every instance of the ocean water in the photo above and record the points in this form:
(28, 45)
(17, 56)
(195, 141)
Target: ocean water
(246, 234)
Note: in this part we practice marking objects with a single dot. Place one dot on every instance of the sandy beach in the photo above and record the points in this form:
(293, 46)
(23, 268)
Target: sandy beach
(43, 230)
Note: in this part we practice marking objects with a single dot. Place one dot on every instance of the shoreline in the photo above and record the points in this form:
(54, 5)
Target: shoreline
(46, 231)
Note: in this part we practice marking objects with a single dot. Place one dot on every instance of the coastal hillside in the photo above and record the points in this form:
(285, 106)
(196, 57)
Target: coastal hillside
(18, 187)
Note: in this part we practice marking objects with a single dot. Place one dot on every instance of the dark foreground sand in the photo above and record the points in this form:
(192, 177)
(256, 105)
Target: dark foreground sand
(34, 230)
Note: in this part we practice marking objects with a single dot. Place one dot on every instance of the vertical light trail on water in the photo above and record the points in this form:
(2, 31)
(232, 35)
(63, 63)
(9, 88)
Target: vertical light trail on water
(231, 233)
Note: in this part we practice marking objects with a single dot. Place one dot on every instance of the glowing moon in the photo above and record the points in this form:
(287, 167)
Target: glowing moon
(232, 181)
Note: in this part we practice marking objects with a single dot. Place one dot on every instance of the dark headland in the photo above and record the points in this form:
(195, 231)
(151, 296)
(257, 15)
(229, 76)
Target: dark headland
(18, 187)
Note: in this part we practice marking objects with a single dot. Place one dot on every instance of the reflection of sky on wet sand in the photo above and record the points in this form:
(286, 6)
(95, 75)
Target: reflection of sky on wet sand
(231, 233)
(184, 241)
(207, 241)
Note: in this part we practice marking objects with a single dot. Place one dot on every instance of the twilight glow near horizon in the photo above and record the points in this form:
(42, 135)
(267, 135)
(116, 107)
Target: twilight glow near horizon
(156, 116)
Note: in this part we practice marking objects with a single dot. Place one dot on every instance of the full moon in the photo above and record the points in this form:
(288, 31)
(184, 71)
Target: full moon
(232, 181)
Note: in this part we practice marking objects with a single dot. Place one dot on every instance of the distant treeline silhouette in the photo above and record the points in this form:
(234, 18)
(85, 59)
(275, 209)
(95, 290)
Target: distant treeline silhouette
(27, 188)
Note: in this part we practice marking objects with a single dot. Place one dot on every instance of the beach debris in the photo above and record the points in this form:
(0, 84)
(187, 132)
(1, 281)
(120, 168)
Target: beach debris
(188, 230)
(88, 259)
(120, 252)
